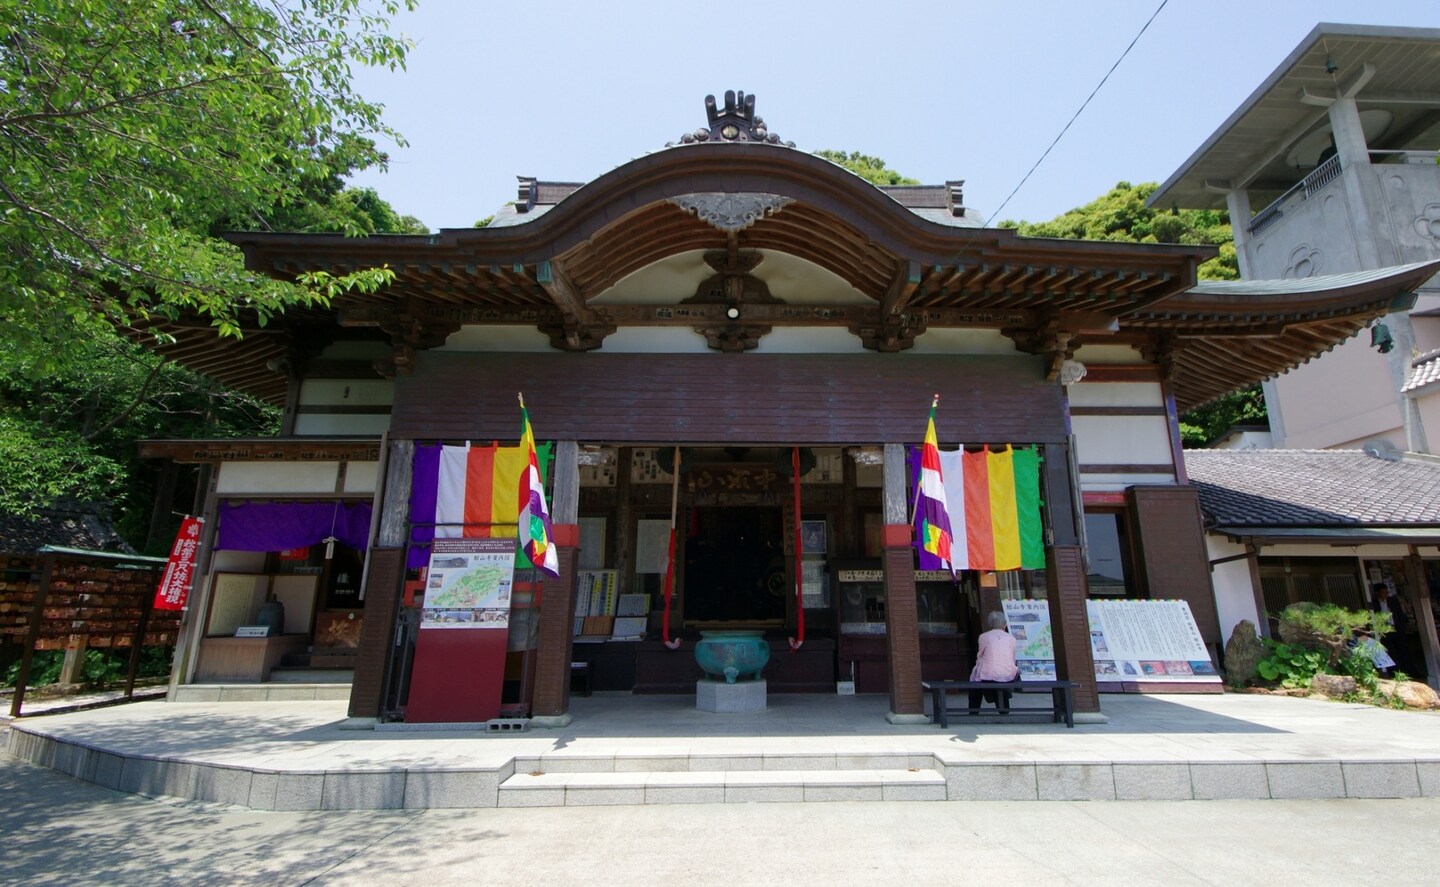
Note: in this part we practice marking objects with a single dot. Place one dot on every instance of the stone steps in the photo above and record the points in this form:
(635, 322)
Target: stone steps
(662, 777)
(569, 789)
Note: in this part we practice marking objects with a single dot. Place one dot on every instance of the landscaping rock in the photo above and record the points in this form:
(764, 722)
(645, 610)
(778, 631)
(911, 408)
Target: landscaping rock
(1243, 652)
(1334, 686)
(1413, 693)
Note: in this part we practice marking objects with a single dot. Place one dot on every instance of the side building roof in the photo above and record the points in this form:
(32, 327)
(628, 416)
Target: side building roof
(1331, 496)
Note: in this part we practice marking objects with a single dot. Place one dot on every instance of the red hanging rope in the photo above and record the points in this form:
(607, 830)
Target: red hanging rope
(670, 558)
(799, 554)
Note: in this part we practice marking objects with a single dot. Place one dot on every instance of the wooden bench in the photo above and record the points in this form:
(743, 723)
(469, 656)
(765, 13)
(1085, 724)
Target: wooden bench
(1062, 702)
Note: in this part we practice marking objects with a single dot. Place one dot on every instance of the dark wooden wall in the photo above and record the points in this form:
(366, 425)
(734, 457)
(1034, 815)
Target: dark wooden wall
(1173, 561)
(714, 397)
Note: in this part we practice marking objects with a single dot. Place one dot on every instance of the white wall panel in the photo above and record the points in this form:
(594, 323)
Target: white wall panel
(1121, 440)
(277, 477)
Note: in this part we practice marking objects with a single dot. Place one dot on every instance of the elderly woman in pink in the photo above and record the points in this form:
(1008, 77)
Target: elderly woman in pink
(994, 659)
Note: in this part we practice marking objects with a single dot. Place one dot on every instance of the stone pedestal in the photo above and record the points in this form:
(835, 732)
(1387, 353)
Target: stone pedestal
(742, 696)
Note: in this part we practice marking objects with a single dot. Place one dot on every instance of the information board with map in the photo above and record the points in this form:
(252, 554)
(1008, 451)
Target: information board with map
(468, 584)
(1132, 642)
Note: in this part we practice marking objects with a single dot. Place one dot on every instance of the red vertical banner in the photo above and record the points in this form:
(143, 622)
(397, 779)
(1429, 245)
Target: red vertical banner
(175, 584)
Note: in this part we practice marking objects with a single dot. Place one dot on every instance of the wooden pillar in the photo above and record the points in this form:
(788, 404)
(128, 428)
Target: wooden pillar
(1070, 624)
(32, 634)
(902, 617)
(197, 599)
(551, 707)
(1419, 593)
(383, 579)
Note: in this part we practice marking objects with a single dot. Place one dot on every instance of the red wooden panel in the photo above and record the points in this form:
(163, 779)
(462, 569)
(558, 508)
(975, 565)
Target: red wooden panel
(457, 675)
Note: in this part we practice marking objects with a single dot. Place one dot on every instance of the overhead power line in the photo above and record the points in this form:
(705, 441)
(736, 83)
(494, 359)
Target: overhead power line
(1078, 112)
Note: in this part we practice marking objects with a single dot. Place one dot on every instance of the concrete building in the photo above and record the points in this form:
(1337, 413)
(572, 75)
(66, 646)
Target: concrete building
(1328, 168)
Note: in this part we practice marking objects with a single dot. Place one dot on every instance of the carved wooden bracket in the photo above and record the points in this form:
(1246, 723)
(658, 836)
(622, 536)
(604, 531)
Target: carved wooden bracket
(409, 331)
(1051, 339)
(733, 338)
(577, 337)
(890, 336)
(1163, 351)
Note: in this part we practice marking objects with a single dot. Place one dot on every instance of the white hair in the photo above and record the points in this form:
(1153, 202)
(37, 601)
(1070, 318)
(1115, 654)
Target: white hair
(996, 619)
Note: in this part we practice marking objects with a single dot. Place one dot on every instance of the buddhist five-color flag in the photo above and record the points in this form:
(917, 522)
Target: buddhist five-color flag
(475, 496)
(534, 519)
(932, 518)
(466, 491)
(995, 508)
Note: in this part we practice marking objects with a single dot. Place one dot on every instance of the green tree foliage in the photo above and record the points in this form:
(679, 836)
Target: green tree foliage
(1121, 214)
(132, 128)
(1204, 424)
(72, 435)
(871, 169)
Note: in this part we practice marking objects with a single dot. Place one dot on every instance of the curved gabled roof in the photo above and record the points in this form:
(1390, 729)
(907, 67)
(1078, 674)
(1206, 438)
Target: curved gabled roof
(726, 197)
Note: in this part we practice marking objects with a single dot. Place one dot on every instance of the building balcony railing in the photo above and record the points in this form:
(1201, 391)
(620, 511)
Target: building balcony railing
(1306, 188)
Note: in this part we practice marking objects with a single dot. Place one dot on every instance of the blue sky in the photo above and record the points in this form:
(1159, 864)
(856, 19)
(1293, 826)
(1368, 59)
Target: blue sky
(970, 90)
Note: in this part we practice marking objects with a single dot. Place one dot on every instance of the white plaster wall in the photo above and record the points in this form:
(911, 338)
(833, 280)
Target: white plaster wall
(1234, 592)
(341, 424)
(277, 477)
(810, 340)
(361, 477)
(1122, 440)
(1115, 394)
(655, 340)
(1109, 355)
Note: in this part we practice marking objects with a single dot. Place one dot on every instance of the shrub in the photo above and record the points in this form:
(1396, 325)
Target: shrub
(1329, 628)
(1290, 665)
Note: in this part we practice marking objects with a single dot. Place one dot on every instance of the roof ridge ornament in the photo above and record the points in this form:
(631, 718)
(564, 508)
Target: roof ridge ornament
(736, 123)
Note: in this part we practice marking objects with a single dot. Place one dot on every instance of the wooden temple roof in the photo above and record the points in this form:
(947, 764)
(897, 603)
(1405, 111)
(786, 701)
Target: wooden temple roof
(913, 252)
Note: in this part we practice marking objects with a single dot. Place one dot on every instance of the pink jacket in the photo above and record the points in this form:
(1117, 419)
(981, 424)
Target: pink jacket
(995, 657)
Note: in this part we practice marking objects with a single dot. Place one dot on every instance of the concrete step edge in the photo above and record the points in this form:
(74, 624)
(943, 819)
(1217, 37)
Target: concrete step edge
(605, 781)
(681, 761)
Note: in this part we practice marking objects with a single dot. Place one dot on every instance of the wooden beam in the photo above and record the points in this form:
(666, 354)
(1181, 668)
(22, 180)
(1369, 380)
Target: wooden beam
(902, 287)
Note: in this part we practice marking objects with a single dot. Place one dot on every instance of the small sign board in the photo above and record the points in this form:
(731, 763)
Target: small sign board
(252, 631)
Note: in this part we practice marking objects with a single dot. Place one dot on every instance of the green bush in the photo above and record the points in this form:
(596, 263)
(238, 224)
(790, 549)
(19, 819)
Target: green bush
(1329, 628)
(1290, 665)
(1358, 665)
(100, 668)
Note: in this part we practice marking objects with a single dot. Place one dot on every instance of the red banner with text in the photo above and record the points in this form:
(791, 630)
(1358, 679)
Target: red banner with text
(175, 584)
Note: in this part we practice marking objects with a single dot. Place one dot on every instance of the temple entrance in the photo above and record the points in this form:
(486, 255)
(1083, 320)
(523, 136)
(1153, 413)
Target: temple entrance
(735, 566)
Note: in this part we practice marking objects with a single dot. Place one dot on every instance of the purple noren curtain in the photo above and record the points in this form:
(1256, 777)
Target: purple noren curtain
(278, 526)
